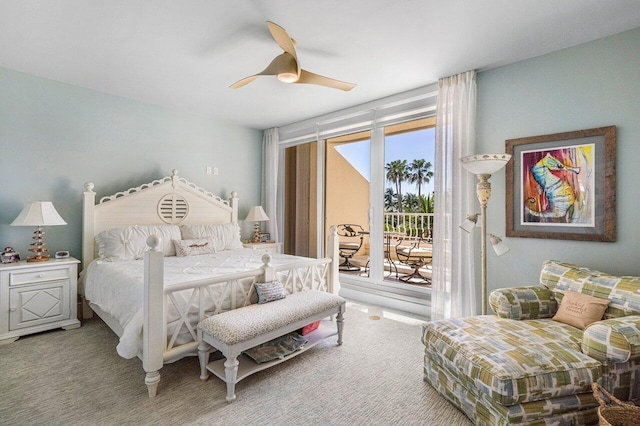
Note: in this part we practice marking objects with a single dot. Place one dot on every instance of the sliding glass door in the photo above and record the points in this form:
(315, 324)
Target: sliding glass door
(377, 188)
(347, 191)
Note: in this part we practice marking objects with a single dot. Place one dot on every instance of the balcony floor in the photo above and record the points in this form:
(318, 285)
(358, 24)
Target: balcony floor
(390, 277)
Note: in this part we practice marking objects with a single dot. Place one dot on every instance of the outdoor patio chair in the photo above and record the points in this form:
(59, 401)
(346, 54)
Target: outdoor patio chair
(416, 255)
(351, 237)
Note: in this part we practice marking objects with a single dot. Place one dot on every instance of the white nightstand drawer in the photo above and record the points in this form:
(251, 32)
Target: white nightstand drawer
(32, 305)
(38, 276)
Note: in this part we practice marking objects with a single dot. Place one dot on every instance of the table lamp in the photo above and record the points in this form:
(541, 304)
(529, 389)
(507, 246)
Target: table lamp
(39, 214)
(256, 214)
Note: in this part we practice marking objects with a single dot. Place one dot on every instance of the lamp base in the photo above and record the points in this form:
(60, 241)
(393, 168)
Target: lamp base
(38, 258)
(256, 233)
(38, 249)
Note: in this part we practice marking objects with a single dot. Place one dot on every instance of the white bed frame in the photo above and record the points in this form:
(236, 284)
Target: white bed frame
(174, 200)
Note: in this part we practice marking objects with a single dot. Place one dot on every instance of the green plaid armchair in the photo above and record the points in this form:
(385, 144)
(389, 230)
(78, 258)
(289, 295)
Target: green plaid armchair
(522, 367)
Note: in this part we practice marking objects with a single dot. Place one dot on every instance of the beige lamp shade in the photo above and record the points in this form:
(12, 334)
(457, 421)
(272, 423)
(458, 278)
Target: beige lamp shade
(257, 214)
(485, 164)
(39, 213)
(470, 222)
(498, 245)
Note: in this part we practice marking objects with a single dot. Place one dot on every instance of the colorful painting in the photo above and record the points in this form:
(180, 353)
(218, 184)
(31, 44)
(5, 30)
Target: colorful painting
(563, 186)
(557, 186)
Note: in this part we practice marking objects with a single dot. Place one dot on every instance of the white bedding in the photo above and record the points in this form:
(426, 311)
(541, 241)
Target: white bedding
(117, 287)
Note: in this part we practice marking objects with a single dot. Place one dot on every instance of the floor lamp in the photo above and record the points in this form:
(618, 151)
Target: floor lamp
(483, 166)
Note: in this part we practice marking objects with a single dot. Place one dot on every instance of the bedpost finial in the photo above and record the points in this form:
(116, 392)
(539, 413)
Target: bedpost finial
(153, 241)
(266, 259)
(234, 194)
(333, 229)
(174, 178)
(88, 186)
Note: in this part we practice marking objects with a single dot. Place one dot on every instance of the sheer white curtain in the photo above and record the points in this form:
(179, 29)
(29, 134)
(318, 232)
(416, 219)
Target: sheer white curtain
(453, 289)
(270, 151)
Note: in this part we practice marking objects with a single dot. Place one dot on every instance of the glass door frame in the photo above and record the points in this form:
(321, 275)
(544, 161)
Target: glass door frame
(375, 280)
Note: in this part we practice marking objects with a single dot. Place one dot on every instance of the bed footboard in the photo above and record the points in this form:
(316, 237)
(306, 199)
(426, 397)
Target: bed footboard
(160, 342)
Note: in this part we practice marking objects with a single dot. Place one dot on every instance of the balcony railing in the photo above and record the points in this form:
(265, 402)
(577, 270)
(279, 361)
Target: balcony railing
(413, 225)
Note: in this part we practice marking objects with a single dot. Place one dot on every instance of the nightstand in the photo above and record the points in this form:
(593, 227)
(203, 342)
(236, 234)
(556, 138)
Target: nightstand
(268, 247)
(37, 296)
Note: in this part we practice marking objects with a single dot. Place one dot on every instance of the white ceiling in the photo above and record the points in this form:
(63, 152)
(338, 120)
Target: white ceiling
(184, 54)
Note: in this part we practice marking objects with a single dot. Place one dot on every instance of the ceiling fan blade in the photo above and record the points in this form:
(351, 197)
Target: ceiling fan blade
(244, 81)
(283, 63)
(307, 77)
(283, 39)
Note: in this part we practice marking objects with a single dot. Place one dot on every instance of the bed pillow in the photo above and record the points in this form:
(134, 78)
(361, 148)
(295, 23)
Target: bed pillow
(194, 247)
(226, 236)
(130, 242)
(580, 310)
(268, 292)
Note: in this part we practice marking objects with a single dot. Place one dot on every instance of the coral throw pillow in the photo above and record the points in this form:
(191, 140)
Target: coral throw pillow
(580, 310)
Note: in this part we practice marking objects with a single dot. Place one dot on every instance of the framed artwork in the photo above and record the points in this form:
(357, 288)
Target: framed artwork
(562, 186)
(264, 237)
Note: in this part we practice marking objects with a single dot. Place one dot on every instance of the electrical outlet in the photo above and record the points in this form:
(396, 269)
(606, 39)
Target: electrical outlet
(209, 170)
(215, 171)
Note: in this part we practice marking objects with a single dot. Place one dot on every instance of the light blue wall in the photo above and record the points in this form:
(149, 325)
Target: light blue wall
(54, 137)
(591, 85)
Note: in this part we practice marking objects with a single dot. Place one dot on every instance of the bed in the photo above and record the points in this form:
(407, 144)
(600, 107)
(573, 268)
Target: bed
(161, 257)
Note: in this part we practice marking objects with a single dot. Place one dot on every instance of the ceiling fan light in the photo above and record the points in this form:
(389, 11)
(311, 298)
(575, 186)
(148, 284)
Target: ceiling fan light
(287, 77)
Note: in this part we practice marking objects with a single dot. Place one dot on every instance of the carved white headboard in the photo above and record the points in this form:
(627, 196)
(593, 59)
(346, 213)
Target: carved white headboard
(170, 200)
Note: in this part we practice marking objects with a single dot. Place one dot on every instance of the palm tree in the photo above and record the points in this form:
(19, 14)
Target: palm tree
(389, 200)
(411, 202)
(426, 203)
(420, 173)
(397, 171)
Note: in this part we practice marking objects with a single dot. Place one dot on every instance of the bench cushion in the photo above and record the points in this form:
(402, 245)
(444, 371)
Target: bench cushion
(245, 323)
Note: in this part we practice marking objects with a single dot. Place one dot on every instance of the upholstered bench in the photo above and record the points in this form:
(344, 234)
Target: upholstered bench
(235, 331)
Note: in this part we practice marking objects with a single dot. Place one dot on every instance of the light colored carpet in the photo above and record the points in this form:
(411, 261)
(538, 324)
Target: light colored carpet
(75, 377)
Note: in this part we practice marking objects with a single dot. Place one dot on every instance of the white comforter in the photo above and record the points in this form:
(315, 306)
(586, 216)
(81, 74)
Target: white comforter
(118, 289)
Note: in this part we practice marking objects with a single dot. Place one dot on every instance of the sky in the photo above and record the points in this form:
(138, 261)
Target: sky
(404, 146)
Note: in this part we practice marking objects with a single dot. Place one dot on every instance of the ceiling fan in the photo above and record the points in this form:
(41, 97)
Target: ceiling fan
(286, 67)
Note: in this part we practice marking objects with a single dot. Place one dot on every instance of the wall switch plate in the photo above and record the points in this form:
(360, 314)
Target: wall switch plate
(215, 171)
(209, 170)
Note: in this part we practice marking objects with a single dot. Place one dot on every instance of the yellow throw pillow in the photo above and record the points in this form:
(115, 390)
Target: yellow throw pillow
(580, 310)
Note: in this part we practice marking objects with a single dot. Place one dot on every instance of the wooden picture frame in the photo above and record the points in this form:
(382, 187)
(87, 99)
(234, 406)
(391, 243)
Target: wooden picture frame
(563, 186)
(265, 237)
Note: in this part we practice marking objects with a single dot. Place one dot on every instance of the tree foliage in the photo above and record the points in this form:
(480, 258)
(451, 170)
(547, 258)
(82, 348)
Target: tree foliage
(418, 172)
(397, 171)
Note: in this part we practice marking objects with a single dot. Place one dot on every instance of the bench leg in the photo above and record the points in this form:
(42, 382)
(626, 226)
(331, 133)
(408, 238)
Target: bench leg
(151, 380)
(203, 354)
(340, 325)
(230, 374)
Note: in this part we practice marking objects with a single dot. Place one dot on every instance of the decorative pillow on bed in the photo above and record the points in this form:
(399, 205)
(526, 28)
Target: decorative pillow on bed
(194, 247)
(226, 236)
(268, 292)
(130, 242)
